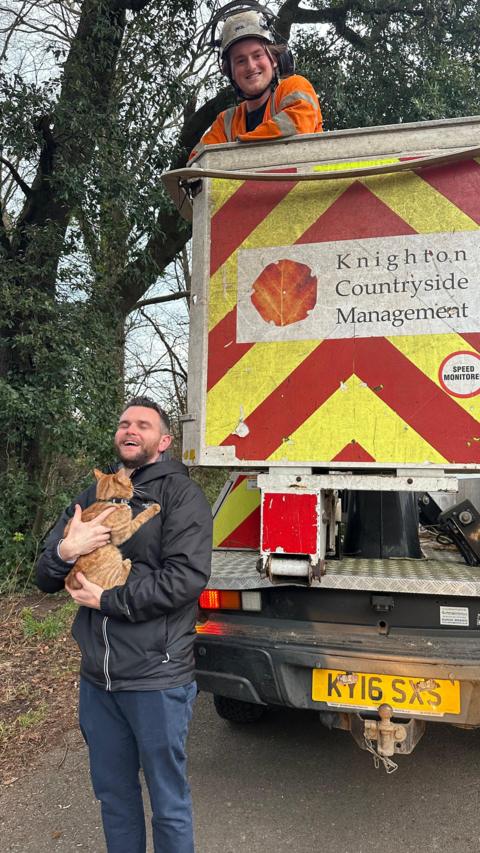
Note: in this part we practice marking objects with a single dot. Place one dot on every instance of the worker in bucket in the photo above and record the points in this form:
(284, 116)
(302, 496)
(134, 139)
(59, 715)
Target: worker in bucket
(275, 103)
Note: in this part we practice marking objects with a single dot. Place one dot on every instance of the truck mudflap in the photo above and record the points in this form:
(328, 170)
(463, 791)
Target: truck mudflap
(383, 689)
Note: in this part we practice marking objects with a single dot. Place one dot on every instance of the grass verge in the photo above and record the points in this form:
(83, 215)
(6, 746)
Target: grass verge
(39, 664)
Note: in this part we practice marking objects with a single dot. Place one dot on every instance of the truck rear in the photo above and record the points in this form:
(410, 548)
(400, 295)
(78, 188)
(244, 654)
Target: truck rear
(335, 363)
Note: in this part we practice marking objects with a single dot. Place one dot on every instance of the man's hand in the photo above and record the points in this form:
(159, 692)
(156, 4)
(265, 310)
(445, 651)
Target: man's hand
(89, 595)
(83, 537)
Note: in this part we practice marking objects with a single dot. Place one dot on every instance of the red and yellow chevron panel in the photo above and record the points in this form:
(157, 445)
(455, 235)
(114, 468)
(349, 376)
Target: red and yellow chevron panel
(236, 514)
(344, 319)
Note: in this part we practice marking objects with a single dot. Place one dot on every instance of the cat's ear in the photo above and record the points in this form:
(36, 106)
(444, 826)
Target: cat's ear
(122, 475)
(97, 473)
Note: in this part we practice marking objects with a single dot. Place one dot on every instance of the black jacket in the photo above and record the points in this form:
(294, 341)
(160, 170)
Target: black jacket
(142, 637)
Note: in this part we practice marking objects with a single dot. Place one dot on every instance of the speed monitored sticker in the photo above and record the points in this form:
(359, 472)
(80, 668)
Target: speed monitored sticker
(454, 616)
(459, 374)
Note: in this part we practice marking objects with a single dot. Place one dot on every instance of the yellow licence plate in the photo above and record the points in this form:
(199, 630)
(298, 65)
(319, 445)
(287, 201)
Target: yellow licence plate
(406, 694)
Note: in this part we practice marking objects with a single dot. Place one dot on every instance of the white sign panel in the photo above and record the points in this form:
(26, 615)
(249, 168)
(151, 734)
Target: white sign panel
(418, 284)
(454, 616)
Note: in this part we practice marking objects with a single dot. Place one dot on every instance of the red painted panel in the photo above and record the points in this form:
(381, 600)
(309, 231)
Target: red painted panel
(289, 523)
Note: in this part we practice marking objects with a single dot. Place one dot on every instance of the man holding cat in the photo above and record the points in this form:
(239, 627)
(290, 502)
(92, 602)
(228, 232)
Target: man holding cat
(137, 672)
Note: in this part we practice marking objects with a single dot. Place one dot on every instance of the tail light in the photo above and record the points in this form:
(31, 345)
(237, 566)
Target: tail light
(220, 599)
(230, 599)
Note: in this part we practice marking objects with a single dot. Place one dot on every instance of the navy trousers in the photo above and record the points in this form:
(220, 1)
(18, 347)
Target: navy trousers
(128, 730)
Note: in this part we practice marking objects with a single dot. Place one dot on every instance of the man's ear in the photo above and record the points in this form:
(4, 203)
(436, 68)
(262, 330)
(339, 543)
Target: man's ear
(164, 443)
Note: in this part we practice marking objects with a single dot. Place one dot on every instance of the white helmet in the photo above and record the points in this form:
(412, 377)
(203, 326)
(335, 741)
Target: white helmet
(243, 26)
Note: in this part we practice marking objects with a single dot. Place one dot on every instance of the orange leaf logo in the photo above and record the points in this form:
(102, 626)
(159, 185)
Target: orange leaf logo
(285, 292)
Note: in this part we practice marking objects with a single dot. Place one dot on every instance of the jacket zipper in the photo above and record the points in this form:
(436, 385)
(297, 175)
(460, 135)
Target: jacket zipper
(108, 683)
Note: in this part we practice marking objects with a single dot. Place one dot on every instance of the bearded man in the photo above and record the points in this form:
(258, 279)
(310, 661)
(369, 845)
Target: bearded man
(137, 685)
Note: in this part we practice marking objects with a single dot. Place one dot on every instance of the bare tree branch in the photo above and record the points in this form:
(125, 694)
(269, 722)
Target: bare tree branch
(176, 366)
(171, 353)
(292, 13)
(54, 18)
(21, 183)
(157, 300)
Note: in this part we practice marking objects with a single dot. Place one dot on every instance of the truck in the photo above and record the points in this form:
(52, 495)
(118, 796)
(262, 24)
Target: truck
(334, 373)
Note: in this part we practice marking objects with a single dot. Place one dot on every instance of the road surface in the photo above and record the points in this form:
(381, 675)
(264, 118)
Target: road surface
(283, 785)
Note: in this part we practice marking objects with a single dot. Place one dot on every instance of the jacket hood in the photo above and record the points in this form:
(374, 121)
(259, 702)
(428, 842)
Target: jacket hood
(147, 473)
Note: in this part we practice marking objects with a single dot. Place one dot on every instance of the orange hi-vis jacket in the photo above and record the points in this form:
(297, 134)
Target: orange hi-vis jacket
(293, 108)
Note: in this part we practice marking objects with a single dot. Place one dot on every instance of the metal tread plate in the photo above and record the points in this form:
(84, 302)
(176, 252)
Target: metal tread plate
(237, 570)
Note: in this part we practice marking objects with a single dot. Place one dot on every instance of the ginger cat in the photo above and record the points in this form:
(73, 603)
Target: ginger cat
(105, 566)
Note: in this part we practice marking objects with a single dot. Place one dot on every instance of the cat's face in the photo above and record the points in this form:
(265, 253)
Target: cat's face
(118, 485)
(140, 438)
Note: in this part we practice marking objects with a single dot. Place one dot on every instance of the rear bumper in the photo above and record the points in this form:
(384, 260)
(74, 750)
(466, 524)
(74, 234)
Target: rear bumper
(271, 662)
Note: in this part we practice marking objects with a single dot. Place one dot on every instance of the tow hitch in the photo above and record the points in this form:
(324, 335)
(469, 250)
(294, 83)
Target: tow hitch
(382, 736)
(386, 737)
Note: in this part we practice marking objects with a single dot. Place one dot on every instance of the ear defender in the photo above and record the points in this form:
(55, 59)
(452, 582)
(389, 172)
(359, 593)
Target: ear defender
(285, 63)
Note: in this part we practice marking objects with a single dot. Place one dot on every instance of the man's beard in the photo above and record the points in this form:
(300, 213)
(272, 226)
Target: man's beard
(143, 458)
